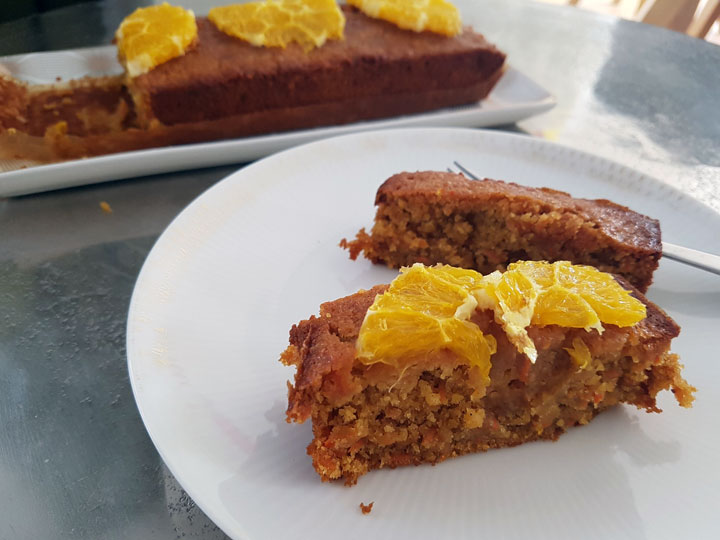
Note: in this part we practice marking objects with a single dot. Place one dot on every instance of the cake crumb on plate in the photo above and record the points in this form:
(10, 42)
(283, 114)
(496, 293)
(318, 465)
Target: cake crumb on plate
(366, 508)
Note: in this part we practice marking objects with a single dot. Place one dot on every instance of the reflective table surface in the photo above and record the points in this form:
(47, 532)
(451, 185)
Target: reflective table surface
(75, 460)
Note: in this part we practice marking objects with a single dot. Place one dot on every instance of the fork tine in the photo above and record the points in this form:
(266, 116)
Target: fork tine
(466, 171)
(455, 171)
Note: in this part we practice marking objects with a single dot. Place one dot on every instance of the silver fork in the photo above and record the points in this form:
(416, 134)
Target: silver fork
(692, 257)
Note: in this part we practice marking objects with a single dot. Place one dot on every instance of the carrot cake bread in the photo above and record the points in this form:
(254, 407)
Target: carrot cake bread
(445, 362)
(439, 217)
(218, 86)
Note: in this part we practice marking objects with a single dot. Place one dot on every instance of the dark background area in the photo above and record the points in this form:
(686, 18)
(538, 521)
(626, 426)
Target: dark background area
(14, 9)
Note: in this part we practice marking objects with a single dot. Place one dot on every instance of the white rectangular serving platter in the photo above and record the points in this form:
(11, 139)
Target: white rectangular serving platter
(514, 98)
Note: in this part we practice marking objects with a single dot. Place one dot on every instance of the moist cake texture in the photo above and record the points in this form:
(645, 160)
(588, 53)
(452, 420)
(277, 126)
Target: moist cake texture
(437, 217)
(434, 407)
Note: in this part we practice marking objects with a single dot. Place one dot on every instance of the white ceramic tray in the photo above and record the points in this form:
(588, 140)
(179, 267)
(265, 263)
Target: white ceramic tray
(258, 252)
(514, 97)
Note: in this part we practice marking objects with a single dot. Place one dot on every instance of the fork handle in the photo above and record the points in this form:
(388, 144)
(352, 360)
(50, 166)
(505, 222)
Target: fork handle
(693, 257)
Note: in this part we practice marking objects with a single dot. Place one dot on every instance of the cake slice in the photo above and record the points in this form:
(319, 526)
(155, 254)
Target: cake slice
(438, 217)
(385, 385)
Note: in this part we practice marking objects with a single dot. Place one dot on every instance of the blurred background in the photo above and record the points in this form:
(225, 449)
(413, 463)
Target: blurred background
(698, 18)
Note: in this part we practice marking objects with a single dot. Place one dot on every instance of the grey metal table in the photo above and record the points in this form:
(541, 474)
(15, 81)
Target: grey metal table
(75, 460)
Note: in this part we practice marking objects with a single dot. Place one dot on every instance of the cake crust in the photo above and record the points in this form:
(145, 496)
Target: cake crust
(436, 217)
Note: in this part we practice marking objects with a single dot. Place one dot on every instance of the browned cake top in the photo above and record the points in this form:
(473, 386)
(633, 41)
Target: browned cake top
(657, 325)
(218, 56)
(619, 222)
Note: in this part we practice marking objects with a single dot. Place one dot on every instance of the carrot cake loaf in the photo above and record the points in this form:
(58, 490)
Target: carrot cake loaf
(439, 217)
(222, 82)
(445, 362)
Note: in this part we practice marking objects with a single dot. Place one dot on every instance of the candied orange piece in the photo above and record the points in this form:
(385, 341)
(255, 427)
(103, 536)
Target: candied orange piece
(276, 23)
(153, 35)
(438, 16)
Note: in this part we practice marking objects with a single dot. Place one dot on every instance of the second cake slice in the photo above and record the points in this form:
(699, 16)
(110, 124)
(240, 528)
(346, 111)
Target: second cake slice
(437, 217)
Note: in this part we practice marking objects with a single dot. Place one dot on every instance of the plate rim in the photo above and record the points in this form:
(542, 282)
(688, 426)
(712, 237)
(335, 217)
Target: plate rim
(143, 275)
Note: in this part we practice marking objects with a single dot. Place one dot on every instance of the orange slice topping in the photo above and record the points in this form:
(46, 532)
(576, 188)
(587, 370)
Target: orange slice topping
(153, 35)
(276, 23)
(438, 16)
(560, 293)
(428, 309)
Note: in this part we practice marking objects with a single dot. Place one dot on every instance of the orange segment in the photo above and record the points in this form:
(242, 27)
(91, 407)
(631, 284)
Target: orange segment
(425, 309)
(541, 293)
(612, 303)
(563, 307)
(276, 23)
(438, 16)
(512, 296)
(153, 35)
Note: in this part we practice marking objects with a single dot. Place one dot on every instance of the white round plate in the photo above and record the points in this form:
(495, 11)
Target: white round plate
(259, 251)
